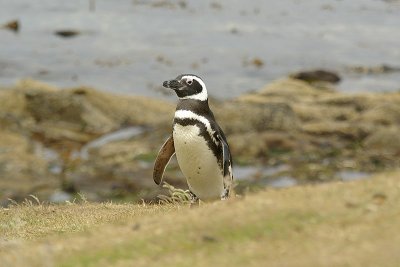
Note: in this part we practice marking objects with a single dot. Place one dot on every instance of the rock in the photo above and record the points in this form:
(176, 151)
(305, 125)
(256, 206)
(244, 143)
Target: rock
(357, 103)
(341, 129)
(71, 110)
(316, 112)
(317, 76)
(257, 62)
(129, 110)
(78, 114)
(288, 90)
(216, 5)
(67, 33)
(240, 117)
(251, 146)
(385, 113)
(385, 139)
(12, 25)
(247, 147)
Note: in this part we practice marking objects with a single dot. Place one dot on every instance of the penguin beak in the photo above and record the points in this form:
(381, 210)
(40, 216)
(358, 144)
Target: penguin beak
(172, 84)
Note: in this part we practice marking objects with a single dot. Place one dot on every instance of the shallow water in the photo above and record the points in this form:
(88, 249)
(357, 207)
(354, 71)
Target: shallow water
(130, 46)
(280, 175)
(351, 175)
(119, 135)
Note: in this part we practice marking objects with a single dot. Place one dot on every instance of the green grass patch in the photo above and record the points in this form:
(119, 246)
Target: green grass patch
(336, 224)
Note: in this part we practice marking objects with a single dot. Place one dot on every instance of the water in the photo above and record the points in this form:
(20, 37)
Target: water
(274, 176)
(280, 176)
(132, 46)
(350, 175)
(282, 182)
(249, 172)
(119, 135)
(245, 172)
(60, 197)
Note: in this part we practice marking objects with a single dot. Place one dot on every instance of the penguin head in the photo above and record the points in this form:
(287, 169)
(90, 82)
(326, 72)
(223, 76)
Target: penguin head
(188, 86)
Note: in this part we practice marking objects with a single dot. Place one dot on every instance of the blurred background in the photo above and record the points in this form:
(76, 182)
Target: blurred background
(56, 143)
(130, 46)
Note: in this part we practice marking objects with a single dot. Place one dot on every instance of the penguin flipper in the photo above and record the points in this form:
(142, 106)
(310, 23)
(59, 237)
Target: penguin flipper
(226, 165)
(164, 155)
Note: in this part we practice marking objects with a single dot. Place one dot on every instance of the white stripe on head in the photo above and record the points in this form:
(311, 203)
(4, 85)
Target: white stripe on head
(202, 96)
(187, 114)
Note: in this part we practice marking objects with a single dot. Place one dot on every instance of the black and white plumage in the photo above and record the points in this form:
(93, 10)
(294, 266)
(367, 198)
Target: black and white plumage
(199, 143)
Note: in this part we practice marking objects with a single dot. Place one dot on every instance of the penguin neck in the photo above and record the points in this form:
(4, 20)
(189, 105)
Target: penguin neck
(199, 107)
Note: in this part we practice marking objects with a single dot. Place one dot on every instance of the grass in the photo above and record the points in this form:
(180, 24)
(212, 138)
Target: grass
(336, 224)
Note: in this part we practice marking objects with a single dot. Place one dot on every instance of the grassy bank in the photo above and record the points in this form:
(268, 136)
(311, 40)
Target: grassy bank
(335, 224)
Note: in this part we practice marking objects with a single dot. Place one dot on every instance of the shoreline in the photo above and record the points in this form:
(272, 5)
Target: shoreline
(103, 145)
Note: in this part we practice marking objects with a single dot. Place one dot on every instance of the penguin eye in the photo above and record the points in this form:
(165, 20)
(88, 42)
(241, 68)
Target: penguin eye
(189, 82)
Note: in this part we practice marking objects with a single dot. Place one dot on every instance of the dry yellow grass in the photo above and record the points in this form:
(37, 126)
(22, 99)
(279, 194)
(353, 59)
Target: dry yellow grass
(336, 224)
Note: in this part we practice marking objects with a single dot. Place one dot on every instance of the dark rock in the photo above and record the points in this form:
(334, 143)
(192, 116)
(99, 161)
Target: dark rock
(12, 25)
(67, 33)
(317, 76)
(255, 62)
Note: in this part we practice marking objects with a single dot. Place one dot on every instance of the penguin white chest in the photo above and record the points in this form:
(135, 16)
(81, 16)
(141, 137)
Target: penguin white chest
(197, 162)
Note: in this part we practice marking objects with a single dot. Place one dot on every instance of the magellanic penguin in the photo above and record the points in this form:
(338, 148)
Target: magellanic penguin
(199, 143)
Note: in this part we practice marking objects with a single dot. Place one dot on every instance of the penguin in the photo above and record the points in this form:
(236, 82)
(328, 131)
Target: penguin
(199, 143)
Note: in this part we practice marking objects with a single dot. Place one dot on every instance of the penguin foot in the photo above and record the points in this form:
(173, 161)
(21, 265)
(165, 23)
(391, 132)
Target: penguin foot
(193, 197)
(225, 195)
